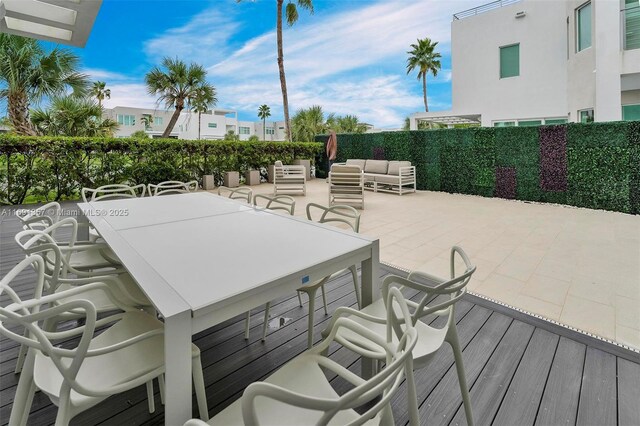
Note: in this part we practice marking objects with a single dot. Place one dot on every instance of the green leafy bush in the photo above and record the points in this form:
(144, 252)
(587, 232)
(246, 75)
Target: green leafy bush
(44, 168)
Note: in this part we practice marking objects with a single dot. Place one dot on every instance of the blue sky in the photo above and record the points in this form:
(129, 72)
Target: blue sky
(349, 57)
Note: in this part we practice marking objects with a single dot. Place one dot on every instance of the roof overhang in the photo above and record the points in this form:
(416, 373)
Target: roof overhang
(449, 119)
(60, 21)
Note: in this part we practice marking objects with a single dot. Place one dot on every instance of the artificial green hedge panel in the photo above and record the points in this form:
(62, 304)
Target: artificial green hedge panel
(55, 168)
(593, 165)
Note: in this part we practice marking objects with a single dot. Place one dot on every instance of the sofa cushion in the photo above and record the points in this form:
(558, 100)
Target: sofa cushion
(359, 163)
(376, 166)
(388, 179)
(394, 167)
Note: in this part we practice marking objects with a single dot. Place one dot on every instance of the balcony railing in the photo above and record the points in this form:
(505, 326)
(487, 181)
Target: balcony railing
(484, 8)
(631, 27)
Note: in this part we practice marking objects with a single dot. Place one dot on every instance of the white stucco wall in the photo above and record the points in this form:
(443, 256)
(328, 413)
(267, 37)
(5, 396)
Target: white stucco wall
(540, 89)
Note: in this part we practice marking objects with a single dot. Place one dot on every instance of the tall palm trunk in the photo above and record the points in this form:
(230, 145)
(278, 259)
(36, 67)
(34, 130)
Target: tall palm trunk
(283, 80)
(18, 106)
(174, 118)
(264, 129)
(424, 91)
(199, 120)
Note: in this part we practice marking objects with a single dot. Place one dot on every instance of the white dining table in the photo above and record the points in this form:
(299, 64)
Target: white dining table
(202, 259)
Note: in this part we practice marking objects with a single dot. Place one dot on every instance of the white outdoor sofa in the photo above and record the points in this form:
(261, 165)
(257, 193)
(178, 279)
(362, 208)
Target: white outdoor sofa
(398, 177)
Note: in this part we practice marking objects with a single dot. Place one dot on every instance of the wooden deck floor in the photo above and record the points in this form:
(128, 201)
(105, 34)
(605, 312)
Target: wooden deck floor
(521, 371)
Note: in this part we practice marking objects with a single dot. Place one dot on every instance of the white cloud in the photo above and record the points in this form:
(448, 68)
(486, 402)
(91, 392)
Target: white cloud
(131, 95)
(350, 62)
(203, 39)
(104, 75)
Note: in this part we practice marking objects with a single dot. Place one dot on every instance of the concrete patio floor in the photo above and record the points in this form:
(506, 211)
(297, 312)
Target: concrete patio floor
(579, 267)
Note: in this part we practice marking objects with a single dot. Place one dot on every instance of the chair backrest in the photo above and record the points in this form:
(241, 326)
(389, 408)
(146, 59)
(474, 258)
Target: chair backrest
(28, 314)
(172, 187)
(346, 175)
(337, 213)
(113, 192)
(242, 193)
(430, 286)
(375, 393)
(277, 202)
(40, 218)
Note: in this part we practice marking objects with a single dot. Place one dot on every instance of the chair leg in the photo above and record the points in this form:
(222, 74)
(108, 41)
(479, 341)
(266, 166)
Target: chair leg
(324, 299)
(247, 324)
(21, 406)
(312, 309)
(299, 298)
(21, 356)
(198, 384)
(150, 399)
(412, 394)
(161, 387)
(452, 338)
(356, 284)
(266, 321)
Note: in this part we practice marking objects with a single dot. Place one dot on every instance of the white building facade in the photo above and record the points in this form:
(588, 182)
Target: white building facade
(214, 124)
(533, 62)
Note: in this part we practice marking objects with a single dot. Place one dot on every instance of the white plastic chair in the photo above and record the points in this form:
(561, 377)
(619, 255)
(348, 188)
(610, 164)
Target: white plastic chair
(111, 192)
(346, 185)
(243, 193)
(430, 339)
(41, 217)
(289, 178)
(338, 214)
(78, 378)
(276, 202)
(172, 187)
(56, 270)
(299, 393)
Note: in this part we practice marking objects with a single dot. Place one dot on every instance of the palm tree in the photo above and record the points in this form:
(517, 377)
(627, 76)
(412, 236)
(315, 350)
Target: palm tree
(72, 116)
(264, 112)
(349, 124)
(99, 91)
(28, 74)
(307, 123)
(177, 85)
(203, 100)
(423, 56)
(292, 17)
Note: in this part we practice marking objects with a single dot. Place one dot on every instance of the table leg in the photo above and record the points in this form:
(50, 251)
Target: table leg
(370, 291)
(177, 355)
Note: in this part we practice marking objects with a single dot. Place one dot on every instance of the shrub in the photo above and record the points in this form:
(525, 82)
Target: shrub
(45, 168)
(589, 165)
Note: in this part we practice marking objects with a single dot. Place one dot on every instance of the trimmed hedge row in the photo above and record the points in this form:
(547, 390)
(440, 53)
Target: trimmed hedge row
(56, 168)
(593, 165)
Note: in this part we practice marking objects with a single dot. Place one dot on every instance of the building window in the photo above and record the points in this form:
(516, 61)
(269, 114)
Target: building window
(126, 120)
(510, 61)
(631, 112)
(158, 121)
(213, 125)
(583, 18)
(529, 123)
(586, 115)
(270, 131)
(631, 24)
(504, 124)
(281, 128)
(243, 130)
(551, 121)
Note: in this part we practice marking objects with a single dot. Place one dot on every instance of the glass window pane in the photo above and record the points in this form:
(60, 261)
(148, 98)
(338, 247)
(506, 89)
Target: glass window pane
(529, 123)
(510, 61)
(631, 112)
(586, 116)
(551, 121)
(584, 27)
(504, 124)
